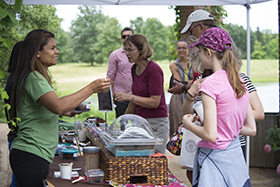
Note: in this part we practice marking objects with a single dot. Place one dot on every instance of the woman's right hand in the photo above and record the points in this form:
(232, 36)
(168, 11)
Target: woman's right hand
(100, 85)
(67, 103)
(188, 120)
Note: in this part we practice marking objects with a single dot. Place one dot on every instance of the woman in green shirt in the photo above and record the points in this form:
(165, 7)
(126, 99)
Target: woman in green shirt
(38, 107)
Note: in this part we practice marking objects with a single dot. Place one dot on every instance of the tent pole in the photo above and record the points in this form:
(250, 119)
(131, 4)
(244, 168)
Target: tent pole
(248, 73)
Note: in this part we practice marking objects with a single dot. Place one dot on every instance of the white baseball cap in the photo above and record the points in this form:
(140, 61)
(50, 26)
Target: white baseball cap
(197, 15)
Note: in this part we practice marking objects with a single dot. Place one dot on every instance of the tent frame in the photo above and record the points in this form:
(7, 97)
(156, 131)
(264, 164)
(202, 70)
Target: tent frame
(246, 3)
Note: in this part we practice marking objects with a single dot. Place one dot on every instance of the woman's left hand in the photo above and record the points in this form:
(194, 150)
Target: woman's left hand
(121, 96)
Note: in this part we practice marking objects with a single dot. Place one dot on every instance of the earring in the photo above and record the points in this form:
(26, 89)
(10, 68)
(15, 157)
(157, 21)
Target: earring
(38, 56)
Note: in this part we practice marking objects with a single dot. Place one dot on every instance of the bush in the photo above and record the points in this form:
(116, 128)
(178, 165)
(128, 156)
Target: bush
(273, 138)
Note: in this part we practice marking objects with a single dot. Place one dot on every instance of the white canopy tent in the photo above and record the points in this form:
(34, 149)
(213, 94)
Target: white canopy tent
(145, 2)
(246, 3)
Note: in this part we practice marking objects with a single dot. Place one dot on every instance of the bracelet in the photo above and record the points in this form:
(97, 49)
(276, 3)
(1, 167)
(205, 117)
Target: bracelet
(190, 94)
(132, 98)
(184, 88)
(189, 99)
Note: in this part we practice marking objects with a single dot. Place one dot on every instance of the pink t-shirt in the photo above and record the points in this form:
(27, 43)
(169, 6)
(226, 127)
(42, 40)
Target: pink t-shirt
(119, 70)
(149, 83)
(231, 111)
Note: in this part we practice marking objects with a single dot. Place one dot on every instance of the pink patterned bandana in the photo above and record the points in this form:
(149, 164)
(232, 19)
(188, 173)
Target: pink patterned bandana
(214, 38)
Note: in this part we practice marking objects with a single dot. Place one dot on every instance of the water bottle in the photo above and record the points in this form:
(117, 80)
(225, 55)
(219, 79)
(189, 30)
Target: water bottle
(77, 126)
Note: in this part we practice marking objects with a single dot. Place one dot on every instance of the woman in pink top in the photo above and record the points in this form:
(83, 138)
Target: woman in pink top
(219, 160)
(148, 99)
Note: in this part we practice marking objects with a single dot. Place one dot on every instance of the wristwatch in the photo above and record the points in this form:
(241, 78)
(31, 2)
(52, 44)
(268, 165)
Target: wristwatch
(184, 87)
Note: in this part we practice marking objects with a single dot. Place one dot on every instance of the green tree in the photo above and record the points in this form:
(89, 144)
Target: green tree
(108, 40)
(31, 17)
(259, 52)
(259, 36)
(273, 48)
(85, 32)
(171, 52)
(157, 35)
(137, 25)
(219, 13)
(264, 44)
(239, 36)
(173, 35)
(39, 17)
(64, 43)
(8, 20)
(270, 43)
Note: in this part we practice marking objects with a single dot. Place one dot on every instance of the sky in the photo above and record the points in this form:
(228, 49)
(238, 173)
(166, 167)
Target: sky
(262, 15)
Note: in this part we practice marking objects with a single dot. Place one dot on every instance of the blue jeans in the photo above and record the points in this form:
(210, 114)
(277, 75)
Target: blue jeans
(13, 176)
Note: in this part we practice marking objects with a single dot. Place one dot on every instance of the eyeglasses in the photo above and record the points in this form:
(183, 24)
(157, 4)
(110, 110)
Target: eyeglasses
(209, 25)
(128, 50)
(190, 31)
(183, 48)
(124, 36)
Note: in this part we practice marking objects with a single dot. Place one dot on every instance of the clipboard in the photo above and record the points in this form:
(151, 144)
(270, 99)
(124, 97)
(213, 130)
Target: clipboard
(105, 101)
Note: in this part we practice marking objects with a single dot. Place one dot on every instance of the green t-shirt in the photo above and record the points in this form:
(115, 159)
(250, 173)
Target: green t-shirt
(38, 129)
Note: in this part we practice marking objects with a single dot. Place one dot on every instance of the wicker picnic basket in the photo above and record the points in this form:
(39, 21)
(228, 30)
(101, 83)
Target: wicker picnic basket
(146, 170)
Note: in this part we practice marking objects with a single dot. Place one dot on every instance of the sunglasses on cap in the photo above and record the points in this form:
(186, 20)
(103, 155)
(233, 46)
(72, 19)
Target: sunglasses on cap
(124, 36)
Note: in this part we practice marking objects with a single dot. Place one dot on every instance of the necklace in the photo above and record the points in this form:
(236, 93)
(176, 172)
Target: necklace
(141, 68)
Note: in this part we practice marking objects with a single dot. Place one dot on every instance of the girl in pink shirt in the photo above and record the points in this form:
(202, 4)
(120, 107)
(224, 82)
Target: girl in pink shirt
(219, 160)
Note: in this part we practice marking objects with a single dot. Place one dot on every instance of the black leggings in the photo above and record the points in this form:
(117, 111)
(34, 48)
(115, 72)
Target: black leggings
(29, 169)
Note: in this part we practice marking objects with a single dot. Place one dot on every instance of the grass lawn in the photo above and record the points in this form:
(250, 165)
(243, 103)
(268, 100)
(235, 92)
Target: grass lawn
(71, 77)
(262, 71)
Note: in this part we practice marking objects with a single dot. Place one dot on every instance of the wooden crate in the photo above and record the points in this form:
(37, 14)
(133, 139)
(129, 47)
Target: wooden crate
(143, 170)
